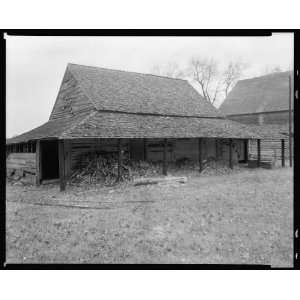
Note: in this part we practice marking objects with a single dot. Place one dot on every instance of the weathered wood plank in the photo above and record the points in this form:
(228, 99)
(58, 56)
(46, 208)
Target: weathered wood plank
(258, 153)
(156, 180)
(61, 159)
(38, 154)
(282, 154)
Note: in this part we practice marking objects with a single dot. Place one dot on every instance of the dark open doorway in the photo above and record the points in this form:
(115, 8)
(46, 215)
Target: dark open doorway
(137, 149)
(50, 164)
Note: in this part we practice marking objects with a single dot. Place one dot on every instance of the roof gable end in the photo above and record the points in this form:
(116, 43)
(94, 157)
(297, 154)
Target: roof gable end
(71, 98)
(260, 94)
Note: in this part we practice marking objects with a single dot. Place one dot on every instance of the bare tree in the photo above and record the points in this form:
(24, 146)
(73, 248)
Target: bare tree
(205, 73)
(210, 81)
(231, 75)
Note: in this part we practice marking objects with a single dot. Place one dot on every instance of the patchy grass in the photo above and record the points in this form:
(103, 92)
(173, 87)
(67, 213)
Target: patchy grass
(242, 218)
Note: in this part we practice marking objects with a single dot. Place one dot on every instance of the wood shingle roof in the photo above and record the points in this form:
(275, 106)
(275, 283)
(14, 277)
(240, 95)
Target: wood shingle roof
(132, 105)
(114, 90)
(261, 94)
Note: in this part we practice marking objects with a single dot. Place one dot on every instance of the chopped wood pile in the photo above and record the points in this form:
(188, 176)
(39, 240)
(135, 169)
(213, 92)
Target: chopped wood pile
(103, 169)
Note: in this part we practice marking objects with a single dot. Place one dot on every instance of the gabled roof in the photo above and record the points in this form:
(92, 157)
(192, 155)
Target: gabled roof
(114, 90)
(130, 125)
(133, 105)
(261, 94)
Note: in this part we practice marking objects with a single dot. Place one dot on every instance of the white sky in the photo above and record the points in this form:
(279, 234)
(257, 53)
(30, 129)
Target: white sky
(35, 65)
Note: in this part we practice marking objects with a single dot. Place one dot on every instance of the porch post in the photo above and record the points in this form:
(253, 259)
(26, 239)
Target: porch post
(258, 152)
(38, 158)
(230, 154)
(119, 160)
(145, 149)
(61, 160)
(246, 150)
(282, 153)
(165, 157)
(200, 155)
(217, 149)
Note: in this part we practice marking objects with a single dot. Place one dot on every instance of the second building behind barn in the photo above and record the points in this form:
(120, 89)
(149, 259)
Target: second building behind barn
(264, 103)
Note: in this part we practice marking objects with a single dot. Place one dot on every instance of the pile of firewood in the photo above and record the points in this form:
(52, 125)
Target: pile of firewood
(103, 169)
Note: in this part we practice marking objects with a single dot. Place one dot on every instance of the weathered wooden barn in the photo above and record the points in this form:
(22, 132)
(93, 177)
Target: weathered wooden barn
(264, 103)
(146, 117)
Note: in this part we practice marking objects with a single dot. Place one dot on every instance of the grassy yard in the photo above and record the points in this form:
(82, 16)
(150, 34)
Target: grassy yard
(242, 218)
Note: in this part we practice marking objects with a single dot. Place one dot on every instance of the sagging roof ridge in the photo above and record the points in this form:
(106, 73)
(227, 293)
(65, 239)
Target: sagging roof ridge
(126, 71)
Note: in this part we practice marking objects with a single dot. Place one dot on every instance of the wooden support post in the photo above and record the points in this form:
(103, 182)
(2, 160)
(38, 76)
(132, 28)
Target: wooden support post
(61, 160)
(119, 159)
(258, 152)
(145, 149)
(165, 157)
(246, 150)
(38, 158)
(290, 122)
(200, 154)
(68, 158)
(217, 150)
(282, 153)
(230, 154)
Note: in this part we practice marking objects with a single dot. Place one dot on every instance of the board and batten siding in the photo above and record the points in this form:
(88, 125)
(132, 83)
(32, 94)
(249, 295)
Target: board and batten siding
(70, 100)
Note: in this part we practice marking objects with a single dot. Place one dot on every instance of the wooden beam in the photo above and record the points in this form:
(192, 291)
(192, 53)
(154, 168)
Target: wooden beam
(61, 160)
(165, 157)
(68, 158)
(290, 122)
(217, 149)
(246, 150)
(38, 157)
(145, 149)
(200, 155)
(258, 152)
(282, 153)
(230, 154)
(119, 159)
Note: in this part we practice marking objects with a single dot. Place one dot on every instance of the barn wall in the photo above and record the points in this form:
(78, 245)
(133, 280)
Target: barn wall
(271, 146)
(70, 99)
(21, 164)
(25, 161)
(188, 148)
(176, 149)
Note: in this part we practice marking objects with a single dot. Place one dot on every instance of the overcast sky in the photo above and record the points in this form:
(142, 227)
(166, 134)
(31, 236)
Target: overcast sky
(35, 65)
